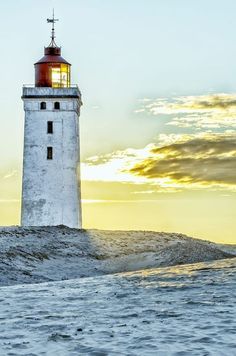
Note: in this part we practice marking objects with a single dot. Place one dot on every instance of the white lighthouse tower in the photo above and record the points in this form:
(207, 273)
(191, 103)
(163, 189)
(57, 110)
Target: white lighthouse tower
(51, 172)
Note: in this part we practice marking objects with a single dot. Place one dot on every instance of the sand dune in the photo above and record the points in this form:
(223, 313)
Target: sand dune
(32, 255)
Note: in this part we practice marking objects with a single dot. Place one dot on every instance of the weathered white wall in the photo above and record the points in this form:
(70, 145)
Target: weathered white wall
(51, 188)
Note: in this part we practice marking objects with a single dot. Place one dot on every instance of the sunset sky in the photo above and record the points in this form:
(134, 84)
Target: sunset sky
(158, 80)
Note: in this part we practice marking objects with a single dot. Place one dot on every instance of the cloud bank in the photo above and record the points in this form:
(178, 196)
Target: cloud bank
(186, 161)
(208, 160)
(203, 111)
(202, 159)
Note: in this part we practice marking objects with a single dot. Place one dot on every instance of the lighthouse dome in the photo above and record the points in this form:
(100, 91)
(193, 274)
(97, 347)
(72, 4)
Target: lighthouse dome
(52, 70)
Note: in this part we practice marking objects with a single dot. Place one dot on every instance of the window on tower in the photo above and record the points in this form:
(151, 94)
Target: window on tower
(43, 105)
(49, 153)
(57, 105)
(50, 127)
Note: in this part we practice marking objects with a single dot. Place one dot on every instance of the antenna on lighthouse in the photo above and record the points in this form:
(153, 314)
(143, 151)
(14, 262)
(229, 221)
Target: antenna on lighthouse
(52, 21)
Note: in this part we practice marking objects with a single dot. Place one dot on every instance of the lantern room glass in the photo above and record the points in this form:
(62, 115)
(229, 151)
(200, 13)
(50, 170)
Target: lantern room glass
(60, 75)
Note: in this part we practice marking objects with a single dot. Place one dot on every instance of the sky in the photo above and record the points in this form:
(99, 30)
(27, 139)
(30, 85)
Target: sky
(158, 80)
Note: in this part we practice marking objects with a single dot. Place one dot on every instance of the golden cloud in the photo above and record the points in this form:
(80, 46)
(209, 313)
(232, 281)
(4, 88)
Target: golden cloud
(186, 161)
(203, 111)
(208, 160)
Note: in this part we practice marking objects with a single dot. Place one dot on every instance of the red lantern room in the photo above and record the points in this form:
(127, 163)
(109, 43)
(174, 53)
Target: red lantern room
(52, 70)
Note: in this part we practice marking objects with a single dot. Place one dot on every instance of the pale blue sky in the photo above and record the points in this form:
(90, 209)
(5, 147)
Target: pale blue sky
(120, 51)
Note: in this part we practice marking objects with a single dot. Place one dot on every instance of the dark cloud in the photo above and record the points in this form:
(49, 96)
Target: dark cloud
(206, 160)
(221, 101)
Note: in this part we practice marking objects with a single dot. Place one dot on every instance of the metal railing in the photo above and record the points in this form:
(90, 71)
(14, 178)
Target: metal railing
(34, 86)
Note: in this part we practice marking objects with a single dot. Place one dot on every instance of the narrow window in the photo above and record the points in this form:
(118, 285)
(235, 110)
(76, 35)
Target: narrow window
(50, 127)
(49, 152)
(43, 105)
(57, 105)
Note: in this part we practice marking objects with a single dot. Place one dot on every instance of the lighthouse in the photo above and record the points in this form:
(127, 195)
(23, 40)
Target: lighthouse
(51, 192)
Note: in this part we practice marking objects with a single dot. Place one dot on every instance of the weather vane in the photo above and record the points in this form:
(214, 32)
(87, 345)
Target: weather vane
(52, 21)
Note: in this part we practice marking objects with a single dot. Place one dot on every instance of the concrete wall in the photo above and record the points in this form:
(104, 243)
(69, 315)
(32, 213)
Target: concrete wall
(51, 188)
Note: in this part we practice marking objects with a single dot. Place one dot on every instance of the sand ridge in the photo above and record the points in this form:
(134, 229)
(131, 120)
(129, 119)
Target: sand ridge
(40, 254)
